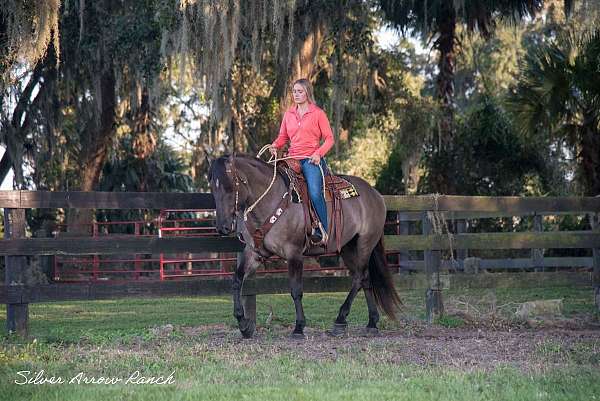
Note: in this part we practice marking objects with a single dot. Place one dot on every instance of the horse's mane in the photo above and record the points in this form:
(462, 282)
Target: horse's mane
(218, 166)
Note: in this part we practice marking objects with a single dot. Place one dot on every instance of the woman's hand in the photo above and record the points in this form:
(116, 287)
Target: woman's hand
(273, 150)
(315, 158)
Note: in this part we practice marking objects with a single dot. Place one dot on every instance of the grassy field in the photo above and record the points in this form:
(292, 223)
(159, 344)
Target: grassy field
(477, 352)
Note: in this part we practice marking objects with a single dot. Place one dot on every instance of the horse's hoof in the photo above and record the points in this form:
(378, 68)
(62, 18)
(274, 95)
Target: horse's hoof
(339, 330)
(247, 327)
(298, 336)
(370, 332)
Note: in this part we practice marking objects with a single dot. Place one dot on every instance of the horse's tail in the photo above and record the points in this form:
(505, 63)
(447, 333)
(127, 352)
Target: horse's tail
(382, 282)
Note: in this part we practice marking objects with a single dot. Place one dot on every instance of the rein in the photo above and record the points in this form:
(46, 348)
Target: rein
(274, 160)
(259, 233)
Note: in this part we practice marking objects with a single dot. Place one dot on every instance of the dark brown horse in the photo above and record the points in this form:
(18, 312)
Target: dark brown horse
(237, 181)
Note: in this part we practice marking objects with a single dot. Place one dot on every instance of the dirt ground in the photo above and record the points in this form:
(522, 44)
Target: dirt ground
(483, 346)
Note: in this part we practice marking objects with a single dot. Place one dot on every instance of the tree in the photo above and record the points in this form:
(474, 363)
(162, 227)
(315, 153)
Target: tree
(163, 170)
(26, 31)
(491, 158)
(438, 19)
(558, 99)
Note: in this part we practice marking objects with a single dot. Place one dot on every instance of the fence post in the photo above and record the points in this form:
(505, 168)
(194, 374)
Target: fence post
(403, 229)
(45, 262)
(17, 314)
(595, 223)
(537, 255)
(138, 263)
(433, 297)
(461, 254)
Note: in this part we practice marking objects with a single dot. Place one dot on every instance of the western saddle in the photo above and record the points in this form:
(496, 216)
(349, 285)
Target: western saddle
(336, 189)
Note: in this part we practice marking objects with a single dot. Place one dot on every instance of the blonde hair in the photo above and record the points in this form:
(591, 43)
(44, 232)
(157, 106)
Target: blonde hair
(305, 83)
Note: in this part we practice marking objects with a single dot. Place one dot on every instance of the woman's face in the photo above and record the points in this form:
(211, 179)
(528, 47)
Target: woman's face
(299, 94)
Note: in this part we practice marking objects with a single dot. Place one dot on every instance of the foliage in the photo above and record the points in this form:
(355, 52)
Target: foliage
(429, 16)
(162, 171)
(489, 157)
(26, 30)
(556, 100)
(167, 82)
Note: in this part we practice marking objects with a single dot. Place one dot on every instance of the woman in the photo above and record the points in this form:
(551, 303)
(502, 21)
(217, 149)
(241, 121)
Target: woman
(304, 125)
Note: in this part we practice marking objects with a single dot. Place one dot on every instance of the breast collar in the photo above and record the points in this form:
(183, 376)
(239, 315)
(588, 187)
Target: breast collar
(258, 233)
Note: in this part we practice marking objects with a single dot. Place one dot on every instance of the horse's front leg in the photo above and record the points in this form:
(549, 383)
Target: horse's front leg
(295, 268)
(247, 262)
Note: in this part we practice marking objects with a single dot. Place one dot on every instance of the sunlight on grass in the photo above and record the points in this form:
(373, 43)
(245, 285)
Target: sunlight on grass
(159, 336)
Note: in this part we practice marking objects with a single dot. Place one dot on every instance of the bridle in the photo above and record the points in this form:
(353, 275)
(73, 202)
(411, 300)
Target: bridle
(257, 231)
(232, 173)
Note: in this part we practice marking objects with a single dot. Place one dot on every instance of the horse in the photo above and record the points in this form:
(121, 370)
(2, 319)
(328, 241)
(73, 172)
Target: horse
(239, 180)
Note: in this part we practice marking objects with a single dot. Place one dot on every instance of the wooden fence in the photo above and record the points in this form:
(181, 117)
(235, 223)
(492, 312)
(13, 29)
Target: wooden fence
(16, 246)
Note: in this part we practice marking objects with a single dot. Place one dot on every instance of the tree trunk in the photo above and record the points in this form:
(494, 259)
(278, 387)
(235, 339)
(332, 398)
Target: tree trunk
(144, 140)
(590, 160)
(309, 37)
(18, 127)
(443, 138)
(306, 46)
(97, 150)
(307, 49)
(95, 147)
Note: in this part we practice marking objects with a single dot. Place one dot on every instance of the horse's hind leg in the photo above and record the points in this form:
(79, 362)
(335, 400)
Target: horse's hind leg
(371, 328)
(356, 255)
(354, 263)
(340, 326)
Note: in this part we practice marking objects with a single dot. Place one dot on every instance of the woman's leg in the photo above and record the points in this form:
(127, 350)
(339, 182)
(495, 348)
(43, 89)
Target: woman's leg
(312, 174)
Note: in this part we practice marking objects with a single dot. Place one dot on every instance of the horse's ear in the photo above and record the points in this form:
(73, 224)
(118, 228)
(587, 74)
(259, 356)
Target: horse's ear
(231, 158)
(208, 158)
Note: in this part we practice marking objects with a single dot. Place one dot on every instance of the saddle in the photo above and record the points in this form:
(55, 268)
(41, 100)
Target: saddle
(336, 189)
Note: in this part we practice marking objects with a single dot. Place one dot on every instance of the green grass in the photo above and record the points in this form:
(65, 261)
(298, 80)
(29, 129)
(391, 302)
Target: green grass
(285, 378)
(116, 338)
(109, 320)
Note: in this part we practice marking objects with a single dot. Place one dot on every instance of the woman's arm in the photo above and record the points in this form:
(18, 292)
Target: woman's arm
(326, 133)
(283, 136)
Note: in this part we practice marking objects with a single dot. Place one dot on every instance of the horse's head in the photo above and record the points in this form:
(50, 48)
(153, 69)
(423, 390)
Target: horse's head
(229, 188)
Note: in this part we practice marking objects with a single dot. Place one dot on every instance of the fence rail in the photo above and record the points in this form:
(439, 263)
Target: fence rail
(407, 203)
(15, 247)
(127, 244)
(276, 285)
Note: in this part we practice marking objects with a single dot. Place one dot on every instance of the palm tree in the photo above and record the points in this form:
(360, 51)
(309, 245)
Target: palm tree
(558, 96)
(438, 18)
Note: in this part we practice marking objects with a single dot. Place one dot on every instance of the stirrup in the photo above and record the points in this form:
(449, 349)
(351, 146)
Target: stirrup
(324, 237)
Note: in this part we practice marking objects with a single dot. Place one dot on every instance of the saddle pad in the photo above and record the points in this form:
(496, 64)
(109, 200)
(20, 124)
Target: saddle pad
(345, 193)
(332, 182)
(337, 184)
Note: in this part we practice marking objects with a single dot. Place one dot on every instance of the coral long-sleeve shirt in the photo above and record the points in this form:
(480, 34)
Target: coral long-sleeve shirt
(305, 133)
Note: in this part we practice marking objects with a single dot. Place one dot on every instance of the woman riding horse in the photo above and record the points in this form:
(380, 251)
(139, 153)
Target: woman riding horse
(251, 194)
(304, 125)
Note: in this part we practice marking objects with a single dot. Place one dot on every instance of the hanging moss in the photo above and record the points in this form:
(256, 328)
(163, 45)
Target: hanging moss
(30, 27)
(216, 33)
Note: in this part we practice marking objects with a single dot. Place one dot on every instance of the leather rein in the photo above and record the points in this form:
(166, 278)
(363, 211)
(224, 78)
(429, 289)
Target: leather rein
(258, 233)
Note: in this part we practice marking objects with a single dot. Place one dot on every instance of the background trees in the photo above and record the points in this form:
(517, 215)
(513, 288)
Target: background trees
(481, 97)
(558, 100)
(439, 21)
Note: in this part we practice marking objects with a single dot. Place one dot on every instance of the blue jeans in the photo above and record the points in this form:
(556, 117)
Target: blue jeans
(312, 174)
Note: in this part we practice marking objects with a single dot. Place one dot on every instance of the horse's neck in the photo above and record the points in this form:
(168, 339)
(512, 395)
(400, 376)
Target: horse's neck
(258, 183)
